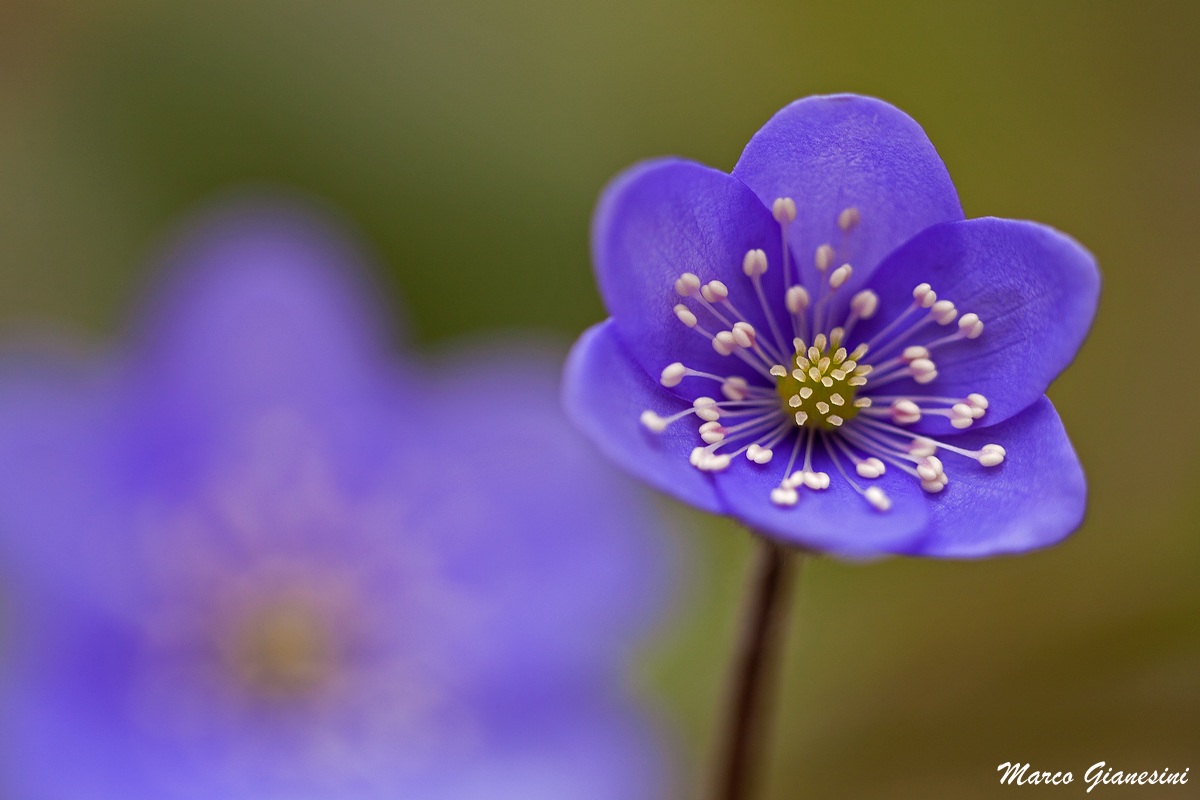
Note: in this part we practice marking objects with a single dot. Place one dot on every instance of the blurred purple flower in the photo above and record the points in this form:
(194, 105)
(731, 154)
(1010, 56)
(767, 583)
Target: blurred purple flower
(251, 558)
(865, 368)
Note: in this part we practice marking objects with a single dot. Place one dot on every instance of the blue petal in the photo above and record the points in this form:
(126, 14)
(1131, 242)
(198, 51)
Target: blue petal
(1034, 288)
(836, 520)
(666, 217)
(262, 304)
(605, 391)
(842, 151)
(1034, 499)
(501, 453)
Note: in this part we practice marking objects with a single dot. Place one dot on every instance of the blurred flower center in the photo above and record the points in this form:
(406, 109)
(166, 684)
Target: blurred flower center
(282, 649)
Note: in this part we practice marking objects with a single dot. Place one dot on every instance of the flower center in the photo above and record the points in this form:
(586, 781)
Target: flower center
(282, 649)
(819, 390)
(816, 398)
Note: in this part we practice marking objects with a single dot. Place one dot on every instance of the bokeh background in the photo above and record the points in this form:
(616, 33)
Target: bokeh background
(467, 140)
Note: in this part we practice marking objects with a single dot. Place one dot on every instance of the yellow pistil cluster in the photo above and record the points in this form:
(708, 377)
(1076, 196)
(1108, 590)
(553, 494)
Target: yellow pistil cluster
(819, 388)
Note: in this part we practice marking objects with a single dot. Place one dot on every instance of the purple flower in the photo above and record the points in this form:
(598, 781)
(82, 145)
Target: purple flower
(249, 557)
(820, 346)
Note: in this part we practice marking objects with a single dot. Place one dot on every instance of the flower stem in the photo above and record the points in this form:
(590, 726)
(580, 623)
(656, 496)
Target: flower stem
(753, 670)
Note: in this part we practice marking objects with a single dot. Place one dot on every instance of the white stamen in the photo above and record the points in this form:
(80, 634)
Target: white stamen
(876, 497)
(735, 388)
(797, 300)
(991, 454)
(864, 304)
(784, 496)
(706, 409)
(754, 263)
(714, 291)
(724, 343)
(823, 258)
(687, 285)
(784, 210)
(924, 295)
(743, 335)
(905, 412)
(759, 455)
(961, 415)
(943, 312)
(970, 326)
(840, 276)
(848, 219)
(672, 374)
(685, 315)
(654, 422)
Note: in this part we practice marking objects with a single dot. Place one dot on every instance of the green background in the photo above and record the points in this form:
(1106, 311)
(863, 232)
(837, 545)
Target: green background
(466, 141)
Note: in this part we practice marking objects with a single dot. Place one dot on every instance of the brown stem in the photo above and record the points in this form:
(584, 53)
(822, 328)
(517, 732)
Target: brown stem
(752, 681)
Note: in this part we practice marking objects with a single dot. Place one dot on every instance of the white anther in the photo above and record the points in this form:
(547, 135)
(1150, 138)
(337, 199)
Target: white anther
(796, 299)
(712, 432)
(724, 343)
(840, 276)
(801, 417)
(933, 487)
(862, 402)
(911, 354)
(961, 415)
(714, 463)
(820, 342)
(778, 370)
(834, 420)
(696, 456)
(848, 218)
(866, 470)
(921, 447)
(784, 496)
(905, 412)
(920, 366)
(706, 409)
(876, 497)
(970, 325)
(794, 401)
(672, 374)
(838, 374)
(924, 295)
(823, 258)
(944, 312)
(687, 285)
(991, 455)
(685, 315)
(653, 422)
(784, 210)
(926, 377)
(822, 407)
(735, 388)
(754, 263)
(837, 399)
(743, 334)
(976, 400)
(864, 304)
(930, 469)
(714, 291)
(806, 392)
(816, 480)
(759, 455)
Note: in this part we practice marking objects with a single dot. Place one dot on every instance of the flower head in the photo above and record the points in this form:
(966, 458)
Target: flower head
(822, 347)
(249, 557)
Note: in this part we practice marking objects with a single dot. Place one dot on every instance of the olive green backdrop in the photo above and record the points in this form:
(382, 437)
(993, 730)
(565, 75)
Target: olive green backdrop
(467, 140)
